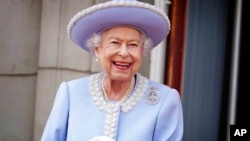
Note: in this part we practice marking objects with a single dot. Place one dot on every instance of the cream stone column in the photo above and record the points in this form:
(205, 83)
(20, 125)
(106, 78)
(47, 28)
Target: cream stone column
(19, 42)
(59, 59)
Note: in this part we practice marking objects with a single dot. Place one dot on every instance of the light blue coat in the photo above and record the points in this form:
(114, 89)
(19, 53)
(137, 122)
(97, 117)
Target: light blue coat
(75, 116)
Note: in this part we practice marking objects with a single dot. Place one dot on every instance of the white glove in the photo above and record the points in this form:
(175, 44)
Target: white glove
(101, 138)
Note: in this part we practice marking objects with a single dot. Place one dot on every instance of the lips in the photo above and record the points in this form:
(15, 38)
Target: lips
(122, 65)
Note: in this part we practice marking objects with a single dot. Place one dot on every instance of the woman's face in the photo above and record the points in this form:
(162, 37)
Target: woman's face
(120, 53)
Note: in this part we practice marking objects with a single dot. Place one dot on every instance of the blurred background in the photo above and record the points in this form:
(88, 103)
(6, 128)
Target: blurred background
(203, 58)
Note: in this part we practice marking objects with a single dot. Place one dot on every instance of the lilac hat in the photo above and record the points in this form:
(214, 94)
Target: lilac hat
(146, 17)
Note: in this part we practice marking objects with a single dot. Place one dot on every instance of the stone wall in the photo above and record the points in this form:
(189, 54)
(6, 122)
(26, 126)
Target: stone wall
(19, 46)
(36, 55)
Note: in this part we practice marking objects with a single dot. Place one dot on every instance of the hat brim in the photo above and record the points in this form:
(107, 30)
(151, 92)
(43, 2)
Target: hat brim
(153, 24)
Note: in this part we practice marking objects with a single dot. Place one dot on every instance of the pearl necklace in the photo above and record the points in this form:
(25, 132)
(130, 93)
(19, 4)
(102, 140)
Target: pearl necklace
(126, 95)
(112, 109)
(95, 88)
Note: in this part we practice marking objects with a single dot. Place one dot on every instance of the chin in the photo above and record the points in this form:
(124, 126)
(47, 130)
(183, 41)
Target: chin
(121, 77)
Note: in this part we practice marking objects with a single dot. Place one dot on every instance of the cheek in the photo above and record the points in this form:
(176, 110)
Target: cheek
(101, 53)
(138, 62)
(105, 60)
(137, 53)
(137, 59)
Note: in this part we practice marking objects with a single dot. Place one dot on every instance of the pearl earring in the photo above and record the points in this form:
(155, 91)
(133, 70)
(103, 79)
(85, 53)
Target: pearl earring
(97, 59)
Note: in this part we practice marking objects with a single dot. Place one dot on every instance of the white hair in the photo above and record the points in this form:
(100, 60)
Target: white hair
(95, 41)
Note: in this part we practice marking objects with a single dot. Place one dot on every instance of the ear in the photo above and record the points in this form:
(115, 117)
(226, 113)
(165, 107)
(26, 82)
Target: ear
(97, 52)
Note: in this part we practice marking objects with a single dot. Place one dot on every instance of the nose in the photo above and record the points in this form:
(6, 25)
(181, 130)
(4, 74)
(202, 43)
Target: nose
(123, 50)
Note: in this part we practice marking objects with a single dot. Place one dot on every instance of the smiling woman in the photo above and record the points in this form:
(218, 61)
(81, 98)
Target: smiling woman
(120, 54)
(118, 103)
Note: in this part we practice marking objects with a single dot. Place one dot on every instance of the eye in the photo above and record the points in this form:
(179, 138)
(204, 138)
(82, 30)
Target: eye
(114, 42)
(133, 45)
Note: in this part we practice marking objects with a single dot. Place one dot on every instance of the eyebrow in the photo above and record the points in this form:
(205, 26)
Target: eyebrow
(117, 38)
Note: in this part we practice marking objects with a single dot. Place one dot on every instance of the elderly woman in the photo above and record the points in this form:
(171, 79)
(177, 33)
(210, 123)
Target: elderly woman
(117, 104)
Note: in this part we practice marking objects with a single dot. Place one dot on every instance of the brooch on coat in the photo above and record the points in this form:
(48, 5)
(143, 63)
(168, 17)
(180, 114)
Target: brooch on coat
(153, 96)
